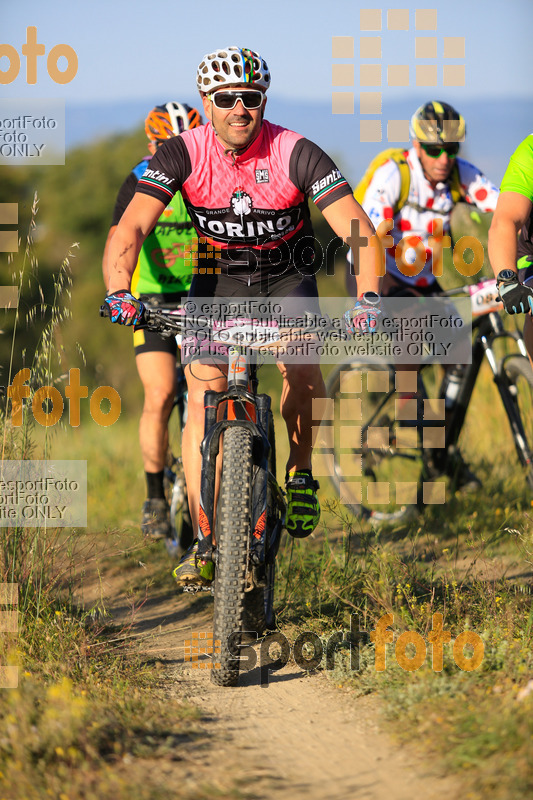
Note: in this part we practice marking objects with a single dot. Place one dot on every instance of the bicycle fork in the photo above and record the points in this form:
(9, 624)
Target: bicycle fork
(251, 411)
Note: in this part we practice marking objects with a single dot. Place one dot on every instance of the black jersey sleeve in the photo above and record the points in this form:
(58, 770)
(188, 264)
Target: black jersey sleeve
(125, 194)
(167, 171)
(314, 173)
(525, 240)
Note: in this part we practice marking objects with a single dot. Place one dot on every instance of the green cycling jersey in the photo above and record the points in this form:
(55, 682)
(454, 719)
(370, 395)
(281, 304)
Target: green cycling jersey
(519, 174)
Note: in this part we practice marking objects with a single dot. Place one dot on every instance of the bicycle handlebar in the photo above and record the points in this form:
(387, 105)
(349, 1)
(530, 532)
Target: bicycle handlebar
(249, 333)
(175, 321)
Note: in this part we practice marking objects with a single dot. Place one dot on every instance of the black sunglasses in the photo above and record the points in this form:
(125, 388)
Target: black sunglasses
(227, 99)
(436, 150)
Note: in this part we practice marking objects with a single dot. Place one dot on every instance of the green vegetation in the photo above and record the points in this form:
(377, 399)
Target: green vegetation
(470, 561)
(69, 210)
(473, 568)
(91, 718)
(87, 717)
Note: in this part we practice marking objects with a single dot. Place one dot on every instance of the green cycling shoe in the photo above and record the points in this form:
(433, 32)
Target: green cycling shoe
(303, 508)
(193, 571)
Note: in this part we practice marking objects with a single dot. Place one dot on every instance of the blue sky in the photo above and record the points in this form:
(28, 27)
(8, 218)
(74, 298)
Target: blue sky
(125, 49)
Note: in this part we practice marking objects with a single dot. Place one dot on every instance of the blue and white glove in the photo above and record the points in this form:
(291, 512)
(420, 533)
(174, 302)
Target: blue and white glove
(124, 308)
(517, 298)
(364, 316)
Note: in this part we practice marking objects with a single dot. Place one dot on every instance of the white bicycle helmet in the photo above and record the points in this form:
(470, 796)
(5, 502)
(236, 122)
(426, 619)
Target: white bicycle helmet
(232, 65)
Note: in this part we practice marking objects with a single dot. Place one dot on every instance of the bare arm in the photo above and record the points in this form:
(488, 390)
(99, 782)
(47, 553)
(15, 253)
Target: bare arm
(105, 257)
(126, 241)
(511, 213)
(340, 216)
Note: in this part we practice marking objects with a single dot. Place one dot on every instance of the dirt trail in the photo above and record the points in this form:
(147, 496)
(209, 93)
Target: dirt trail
(298, 736)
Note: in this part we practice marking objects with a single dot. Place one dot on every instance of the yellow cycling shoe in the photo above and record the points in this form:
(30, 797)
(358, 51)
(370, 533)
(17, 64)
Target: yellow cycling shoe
(193, 571)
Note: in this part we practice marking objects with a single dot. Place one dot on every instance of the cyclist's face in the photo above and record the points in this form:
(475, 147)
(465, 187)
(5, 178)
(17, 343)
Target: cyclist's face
(437, 170)
(237, 127)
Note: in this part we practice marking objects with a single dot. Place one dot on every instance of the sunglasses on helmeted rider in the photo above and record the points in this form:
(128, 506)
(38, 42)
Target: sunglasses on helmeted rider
(436, 150)
(227, 99)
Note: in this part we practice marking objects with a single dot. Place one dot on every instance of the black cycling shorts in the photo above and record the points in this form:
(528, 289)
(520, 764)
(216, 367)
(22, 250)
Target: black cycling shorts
(293, 284)
(146, 341)
(300, 292)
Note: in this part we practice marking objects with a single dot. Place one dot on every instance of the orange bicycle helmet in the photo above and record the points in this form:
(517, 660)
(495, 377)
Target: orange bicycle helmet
(171, 119)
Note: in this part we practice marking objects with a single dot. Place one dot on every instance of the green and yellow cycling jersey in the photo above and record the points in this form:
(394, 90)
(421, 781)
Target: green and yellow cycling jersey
(169, 251)
(167, 255)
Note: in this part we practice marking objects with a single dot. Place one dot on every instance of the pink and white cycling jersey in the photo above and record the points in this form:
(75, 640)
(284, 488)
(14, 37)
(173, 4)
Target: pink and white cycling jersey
(424, 205)
(251, 206)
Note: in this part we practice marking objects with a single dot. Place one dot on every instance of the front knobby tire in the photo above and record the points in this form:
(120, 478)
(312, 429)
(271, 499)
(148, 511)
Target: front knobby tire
(233, 531)
(259, 616)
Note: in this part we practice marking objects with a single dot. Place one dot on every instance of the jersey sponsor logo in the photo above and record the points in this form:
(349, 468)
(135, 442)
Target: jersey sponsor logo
(261, 176)
(161, 228)
(330, 179)
(179, 281)
(241, 202)
(158, 176)
(275, 225)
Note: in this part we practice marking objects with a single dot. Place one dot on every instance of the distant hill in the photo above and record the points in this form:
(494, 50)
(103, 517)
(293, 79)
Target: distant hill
(493, 129)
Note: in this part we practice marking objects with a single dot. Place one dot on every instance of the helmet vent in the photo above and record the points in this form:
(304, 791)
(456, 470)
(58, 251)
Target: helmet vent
(232, 65)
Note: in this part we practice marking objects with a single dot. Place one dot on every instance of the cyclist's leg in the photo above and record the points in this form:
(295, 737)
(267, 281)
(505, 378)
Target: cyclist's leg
(302, 384)
(200, 376)
(156, 364)
(157, 371)
(302, 379)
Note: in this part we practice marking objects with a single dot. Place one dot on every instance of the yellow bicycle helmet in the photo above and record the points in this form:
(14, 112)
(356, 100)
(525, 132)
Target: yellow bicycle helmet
(437, 123)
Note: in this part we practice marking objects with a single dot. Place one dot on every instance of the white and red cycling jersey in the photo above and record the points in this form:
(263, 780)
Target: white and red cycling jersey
(424, 205)
(251, 206)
